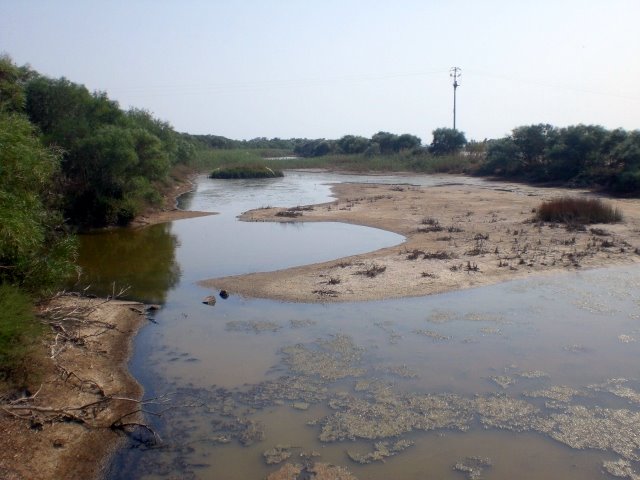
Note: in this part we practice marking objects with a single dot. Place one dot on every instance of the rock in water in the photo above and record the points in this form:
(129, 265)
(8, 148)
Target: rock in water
(209, 300)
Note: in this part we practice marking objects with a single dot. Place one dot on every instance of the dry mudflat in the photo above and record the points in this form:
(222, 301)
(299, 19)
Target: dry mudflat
(457, 237)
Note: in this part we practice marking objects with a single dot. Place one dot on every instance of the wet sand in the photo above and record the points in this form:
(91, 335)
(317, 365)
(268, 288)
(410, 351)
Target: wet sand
(457, 237)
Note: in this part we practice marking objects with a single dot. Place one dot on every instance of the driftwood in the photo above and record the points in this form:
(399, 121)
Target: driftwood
(72, 328)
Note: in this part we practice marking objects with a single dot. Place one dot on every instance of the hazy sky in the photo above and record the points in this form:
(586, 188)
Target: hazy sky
(326, 68)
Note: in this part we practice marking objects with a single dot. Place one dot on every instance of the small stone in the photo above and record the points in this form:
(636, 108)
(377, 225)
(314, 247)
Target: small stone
(301, 405)
(209, 300)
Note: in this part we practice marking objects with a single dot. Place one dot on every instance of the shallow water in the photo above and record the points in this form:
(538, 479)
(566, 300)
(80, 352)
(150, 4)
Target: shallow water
(227, 366)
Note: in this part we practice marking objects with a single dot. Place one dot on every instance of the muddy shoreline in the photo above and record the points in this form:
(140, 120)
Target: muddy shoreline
(63, 427)
(457, 237)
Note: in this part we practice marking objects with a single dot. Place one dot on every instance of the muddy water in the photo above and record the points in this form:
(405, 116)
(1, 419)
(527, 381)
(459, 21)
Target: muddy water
(539, 376)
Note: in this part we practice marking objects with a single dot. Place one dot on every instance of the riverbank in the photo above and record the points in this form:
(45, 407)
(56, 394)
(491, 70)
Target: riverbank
(72, 421)
(169, 211)
(457, 237)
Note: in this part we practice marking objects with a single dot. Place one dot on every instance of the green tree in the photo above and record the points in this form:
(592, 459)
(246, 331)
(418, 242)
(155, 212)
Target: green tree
(35, 252)
(406, 142)
(66, 112)
(386, 141)
(503, 158)
(577, 149)
(447, 141)
(12, 80)
(352, 144)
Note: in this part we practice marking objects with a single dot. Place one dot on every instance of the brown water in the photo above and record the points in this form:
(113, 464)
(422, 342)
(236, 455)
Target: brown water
(460, 374)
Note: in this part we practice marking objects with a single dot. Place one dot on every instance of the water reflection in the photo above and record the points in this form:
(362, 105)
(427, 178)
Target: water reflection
(144, 260)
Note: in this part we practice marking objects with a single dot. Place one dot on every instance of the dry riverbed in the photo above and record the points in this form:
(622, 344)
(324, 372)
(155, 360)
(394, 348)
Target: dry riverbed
(457, 236)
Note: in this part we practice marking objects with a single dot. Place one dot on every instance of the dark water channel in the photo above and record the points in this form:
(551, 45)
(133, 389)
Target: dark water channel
(539, 378)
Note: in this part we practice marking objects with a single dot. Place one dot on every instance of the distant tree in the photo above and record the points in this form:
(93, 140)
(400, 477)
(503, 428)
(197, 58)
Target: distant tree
(406, 142)
(315, 148)
(447, 141)
(386, 141)
(372, 150)
(503, 158)
(577, 149)
(534, 143)
(352, 144)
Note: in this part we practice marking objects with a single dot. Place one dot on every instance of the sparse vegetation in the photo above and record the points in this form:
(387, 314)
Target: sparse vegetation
(372, 270)
(439, 255)
(577, 211)
(414, 254)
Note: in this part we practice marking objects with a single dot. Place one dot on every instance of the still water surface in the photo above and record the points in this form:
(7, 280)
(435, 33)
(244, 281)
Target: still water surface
(506, 342)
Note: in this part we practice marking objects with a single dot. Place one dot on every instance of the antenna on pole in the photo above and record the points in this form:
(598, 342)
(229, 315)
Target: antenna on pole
(454, 73)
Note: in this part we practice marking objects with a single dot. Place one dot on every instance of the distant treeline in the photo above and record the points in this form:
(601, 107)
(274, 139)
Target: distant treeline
(579, 155)
(446, 140)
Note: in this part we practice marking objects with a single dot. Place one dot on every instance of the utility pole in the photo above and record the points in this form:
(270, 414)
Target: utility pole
(454, 73)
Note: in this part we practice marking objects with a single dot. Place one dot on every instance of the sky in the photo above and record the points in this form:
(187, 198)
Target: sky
(327, 68)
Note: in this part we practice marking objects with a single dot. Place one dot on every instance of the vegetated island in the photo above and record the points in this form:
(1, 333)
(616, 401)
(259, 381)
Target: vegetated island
(245, 171)
(457, 236)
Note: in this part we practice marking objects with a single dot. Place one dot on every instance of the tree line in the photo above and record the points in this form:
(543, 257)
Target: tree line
(445, 141)
(578, 155)
(69, 158)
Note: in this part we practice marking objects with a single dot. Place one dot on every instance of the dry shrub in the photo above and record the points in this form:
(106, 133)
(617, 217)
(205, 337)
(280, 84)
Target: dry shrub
(573, 210)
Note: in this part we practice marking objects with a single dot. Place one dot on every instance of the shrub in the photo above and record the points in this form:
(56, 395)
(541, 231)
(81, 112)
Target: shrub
(572, 210)
(19, 331)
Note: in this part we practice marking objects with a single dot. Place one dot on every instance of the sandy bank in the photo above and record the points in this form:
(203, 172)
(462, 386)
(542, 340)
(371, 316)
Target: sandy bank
(457, 236)
(55, 434)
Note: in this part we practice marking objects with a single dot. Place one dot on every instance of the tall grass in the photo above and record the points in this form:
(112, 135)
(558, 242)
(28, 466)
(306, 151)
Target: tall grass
(19, 335)
(236, 164)
(573, 210)
(399, 162)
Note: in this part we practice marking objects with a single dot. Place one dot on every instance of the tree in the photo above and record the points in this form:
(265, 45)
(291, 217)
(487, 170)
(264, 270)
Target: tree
(12, 79)
(386, 141)
(447, 141)
(578, 148)
(35, 251)
(502, 158)
(352, 144)
(406, 142)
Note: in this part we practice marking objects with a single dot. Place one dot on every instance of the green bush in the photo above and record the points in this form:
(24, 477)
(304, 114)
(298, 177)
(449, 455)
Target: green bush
(19, 334)
(572, 210)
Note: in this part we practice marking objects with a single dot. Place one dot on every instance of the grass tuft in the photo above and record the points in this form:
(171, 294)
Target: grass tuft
(577, 211)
